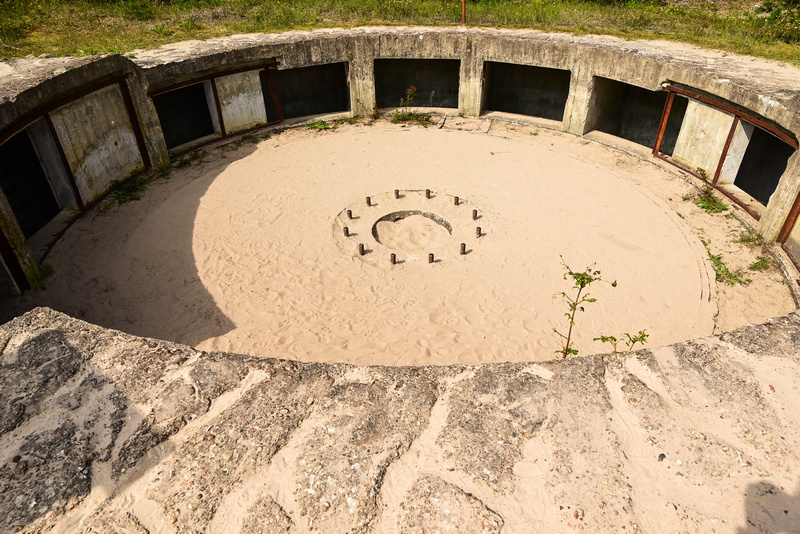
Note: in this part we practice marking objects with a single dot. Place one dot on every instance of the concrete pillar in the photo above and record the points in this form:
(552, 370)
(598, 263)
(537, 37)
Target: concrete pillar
(781, 203)
(16, 239)
(733, 160)
(241, 101)
(148, 123)
(579, 113)
(362, 79)
(470, 87)
(702, 137)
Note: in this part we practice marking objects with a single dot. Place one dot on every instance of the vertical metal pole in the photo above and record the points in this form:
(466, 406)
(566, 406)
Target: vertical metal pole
(663, 125)
(463, 11)
(725, 149)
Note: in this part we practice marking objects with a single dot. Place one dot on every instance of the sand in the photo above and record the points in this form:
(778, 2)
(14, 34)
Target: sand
(244, 250)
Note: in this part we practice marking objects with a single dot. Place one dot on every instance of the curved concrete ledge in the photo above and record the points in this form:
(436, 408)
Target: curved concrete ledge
(735, 119)
(107, 432)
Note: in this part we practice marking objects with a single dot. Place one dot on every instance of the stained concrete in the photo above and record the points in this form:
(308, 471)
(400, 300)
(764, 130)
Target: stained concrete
(702, 137)
(241, 101)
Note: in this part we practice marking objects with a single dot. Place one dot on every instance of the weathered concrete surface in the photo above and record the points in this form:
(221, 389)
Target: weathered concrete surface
(702, 137)
(242, 101)
(107, 432)
(98, 140)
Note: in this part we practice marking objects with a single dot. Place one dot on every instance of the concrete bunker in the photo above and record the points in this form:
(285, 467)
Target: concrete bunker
(526, 90)
(634, 113)
(436, 81)
(762, 164)
(187, 114)
(304, 91)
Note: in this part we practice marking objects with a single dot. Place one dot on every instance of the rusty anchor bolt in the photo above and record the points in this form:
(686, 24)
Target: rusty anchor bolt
(349, 214)
(463, 248)
(361, 248)
(427, 193)
(478, 232)
(346, 231)
(369, 201)
(393, 257)
(430, 257)
(455, 201)
(396, 193)
(474, 215)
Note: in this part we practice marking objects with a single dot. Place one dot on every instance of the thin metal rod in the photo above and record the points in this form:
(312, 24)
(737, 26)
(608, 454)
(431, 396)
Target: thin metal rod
(474, 215)
(478, 232)
(725, 149)
(393, 257)
(463, 248)
(346, 231)
(369, 201)
(349, 214)
(427, 193)
(663, 125)
(361, 249)
(430, 257)
(396, 193)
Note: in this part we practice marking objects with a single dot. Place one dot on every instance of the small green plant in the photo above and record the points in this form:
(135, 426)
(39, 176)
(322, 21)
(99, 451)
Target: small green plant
(679, 214)
(197, 154)
(375, 113)
(710, 203)
(751, 238)
(630, 341)
(46, 272)
(160, 29)
(348, 120)
(581, 280)
(127, 191)
(405, 114)
(722, 272)
(761, 264)
(318, 125)
(686, 197)
(250, 138)
(165, 173)
(182, 162)
(190, 24)
(702, 174)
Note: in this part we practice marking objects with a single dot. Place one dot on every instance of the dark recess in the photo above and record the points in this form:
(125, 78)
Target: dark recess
(763, 165)
(307, 91)
(184, 114)
(25, 184)
(438, 76)
(634, 113)
(534, 91)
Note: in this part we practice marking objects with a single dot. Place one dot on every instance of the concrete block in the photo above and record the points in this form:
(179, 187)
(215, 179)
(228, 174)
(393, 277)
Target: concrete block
(702, 137)
(242, 101)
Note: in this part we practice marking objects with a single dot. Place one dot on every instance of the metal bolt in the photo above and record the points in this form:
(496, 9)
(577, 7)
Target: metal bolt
(369, 201)
(393, 258)
(396, 193)
(474, 215)
(427, 193)
(463, 248)
(349, 214)
(478, 232)
(361, 248)
(455, 201)
(430, 257)
(346, 231)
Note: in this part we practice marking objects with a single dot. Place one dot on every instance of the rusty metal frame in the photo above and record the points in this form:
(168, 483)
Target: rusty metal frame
(738, 116)
(273, 93)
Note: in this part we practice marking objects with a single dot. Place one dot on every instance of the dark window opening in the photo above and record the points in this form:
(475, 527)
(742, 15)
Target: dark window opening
(25, 184)
(526, 90)
(635, 114)
(184, 114)
(763, 164)
(307, 91)
(436, 82)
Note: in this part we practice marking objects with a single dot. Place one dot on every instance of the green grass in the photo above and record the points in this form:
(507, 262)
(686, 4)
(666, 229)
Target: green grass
(85, 27)
(126, 191)
(761, 264)
(406, 115)
(318, 125)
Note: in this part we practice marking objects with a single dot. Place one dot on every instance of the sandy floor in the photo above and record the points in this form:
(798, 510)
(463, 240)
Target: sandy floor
(245, 251)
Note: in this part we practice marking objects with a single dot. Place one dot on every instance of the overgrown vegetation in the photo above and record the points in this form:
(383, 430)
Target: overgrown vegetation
(707, 201)
(761, 264)
(84, 27)
(629, 340)
(580, 280)
(723, 272)
(318, 125)
(126, 191)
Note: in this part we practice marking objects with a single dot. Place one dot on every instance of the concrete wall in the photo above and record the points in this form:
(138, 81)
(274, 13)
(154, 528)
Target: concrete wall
(733, 159)
(702, 138)
(614, 85)
(241, 101)
(98, 141)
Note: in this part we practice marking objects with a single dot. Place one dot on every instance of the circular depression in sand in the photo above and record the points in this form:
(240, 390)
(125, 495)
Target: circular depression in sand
(269, 245)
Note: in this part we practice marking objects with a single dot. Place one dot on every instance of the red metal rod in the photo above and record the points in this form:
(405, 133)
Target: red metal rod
(474, 215)
(663, 125)
(349, 214)
(430, 257)
(463, 248)
(369, 201)
(463, 11)
(478, 232)
(393, 257)
(455, 201)
(361, 248)
(346, 231)
(725, 150)
(427, 193)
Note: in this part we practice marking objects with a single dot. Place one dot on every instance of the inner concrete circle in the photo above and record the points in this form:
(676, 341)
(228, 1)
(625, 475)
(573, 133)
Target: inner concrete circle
(412, 230)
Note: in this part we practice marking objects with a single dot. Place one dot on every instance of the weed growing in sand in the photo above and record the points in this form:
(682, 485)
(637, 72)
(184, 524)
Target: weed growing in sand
(127, 191)
(751, 238)
(250, 138)
(375, 115)
(318, 125)
(761, 264)
(405, 114)
(182, 162)
(348, 120)
(630, 341)
(723, 272)
(46, 271)
(581, 280)
(710, 203)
